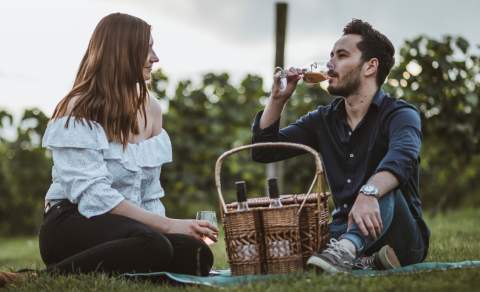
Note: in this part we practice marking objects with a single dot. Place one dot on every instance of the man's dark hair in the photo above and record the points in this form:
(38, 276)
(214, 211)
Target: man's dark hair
(373, 45)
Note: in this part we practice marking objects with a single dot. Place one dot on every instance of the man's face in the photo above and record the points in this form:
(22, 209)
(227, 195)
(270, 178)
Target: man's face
(345, 66)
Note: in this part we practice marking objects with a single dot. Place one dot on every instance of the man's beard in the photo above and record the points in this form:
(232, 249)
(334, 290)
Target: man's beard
(351, 83)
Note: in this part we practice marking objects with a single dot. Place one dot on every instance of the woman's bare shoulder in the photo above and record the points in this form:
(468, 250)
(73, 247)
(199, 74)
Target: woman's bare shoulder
(155, 112)
(155, 106)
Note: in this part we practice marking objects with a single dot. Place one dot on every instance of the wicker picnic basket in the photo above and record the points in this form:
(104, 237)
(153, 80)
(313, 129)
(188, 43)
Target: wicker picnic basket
(266, 240)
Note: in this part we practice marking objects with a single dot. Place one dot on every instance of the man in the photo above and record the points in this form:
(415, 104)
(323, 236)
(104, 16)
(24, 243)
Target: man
(370, 143)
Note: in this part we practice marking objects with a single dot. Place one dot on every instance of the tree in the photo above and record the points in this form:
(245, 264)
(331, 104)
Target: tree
(24, 176)
(441, 78)
(203, 121)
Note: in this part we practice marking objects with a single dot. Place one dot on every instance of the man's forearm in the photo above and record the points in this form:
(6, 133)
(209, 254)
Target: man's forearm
(385, 181)
(272, 112)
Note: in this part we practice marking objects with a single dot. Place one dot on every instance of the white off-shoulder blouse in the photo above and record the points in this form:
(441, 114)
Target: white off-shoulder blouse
(97, 174)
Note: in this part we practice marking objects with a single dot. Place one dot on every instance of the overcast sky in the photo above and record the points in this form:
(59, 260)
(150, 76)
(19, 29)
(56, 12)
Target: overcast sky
(42, 42)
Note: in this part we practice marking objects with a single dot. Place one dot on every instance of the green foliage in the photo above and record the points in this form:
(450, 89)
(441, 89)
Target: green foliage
(203, 121)
(207, 118)
(441, 78)
(24, 176)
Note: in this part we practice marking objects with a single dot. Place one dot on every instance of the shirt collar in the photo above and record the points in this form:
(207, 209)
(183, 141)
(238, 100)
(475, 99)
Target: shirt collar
(376, 101)
(378, 97)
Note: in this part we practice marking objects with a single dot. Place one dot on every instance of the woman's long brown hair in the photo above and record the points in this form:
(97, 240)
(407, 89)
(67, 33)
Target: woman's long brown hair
(109, 87)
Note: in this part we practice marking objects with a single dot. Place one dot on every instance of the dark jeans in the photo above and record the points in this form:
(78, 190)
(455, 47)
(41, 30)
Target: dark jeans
(72, 243)
(400, 230)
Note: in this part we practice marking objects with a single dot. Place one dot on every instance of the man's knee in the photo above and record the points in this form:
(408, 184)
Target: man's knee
(405, 235)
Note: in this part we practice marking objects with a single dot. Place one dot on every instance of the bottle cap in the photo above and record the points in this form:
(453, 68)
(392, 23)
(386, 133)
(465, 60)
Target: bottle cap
(273, 188)
(241, 191)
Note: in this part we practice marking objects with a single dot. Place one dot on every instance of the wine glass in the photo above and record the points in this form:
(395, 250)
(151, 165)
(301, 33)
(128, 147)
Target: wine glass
(211, 217)
(315, 72)
(283, 78)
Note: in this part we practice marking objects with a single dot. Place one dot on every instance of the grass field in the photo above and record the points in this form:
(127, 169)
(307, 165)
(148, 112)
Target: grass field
(455, 237)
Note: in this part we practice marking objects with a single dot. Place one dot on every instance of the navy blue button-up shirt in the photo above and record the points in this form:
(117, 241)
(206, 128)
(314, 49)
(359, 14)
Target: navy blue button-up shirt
(387, 139)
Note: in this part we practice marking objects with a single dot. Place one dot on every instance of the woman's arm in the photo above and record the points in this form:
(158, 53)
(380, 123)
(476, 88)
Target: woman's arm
(195, 228)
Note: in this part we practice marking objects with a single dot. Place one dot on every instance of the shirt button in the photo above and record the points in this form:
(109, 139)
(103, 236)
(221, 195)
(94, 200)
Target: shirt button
(349, 133)
(349, 181)
(351, 155)
(345, 206)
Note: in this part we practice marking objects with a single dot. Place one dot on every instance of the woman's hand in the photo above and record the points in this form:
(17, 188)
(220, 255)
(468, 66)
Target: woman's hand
(195, 228)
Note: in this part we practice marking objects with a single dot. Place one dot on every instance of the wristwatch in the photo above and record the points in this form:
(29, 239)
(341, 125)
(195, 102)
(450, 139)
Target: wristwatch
(370, 190)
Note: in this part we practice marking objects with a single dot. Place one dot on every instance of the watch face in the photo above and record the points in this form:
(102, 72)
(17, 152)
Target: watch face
(370, 190)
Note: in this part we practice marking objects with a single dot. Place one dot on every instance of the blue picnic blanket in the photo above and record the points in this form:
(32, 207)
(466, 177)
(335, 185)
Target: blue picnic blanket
(223, 278)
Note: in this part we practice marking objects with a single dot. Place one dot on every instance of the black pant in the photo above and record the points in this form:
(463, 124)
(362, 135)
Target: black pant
(71, 243)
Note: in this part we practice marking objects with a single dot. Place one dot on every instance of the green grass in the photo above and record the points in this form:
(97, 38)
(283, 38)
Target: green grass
(455, 237)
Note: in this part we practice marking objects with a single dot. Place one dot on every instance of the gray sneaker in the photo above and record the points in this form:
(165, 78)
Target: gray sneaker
(384, 259)
(334, 259)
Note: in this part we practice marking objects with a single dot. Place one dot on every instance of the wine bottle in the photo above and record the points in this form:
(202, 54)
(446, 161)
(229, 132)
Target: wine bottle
(277, 248)
(241, 196)
(273, 193)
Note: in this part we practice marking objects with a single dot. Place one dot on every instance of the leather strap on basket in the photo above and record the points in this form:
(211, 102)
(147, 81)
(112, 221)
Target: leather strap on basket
(319, 179)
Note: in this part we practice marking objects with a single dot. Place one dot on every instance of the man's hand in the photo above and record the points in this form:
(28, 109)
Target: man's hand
(293, 76)
(366, 214)
(278, 97)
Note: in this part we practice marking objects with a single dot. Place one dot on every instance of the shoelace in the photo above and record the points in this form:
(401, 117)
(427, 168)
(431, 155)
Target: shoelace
(364, 263)
(336, 249)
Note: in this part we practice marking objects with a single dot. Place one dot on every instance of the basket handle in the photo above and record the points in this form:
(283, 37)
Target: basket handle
(319, 178)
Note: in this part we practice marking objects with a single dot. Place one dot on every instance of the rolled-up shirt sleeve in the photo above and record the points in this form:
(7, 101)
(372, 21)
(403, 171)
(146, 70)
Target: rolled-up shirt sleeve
(85, 179)
(297, 132)
(405, 138)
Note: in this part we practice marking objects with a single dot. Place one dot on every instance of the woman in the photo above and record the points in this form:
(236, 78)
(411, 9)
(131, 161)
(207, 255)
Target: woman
(103, 208)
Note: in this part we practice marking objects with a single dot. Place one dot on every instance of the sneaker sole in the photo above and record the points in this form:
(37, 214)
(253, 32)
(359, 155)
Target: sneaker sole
(388, 258)
(323, 265)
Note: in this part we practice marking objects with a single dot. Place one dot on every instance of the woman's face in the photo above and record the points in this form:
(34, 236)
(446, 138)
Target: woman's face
(151, 59)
